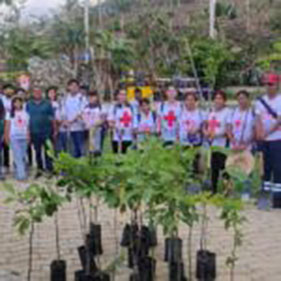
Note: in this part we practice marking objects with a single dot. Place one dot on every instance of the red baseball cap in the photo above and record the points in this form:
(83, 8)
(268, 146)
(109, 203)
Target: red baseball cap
(271, 79)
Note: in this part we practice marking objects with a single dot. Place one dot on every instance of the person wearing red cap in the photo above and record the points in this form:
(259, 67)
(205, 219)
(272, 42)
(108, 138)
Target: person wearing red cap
(268, 112)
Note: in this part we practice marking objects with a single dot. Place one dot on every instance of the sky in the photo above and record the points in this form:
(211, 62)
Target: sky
(41, 7)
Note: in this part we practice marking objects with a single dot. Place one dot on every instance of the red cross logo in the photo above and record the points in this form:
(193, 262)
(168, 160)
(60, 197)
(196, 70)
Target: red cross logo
(213, 124)
(20, 122)
(126, 119)
(170, 118)
(238, 123)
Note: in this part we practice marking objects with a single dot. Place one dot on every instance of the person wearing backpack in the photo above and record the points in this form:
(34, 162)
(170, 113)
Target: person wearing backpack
(121, 120)
(145, 121)
(191, 121)
(168, 115)
(241, 124)
(94, 118)
(268, 112)
(215, 133)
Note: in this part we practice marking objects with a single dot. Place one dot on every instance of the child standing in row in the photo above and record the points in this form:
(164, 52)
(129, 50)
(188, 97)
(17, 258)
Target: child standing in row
(17, 135)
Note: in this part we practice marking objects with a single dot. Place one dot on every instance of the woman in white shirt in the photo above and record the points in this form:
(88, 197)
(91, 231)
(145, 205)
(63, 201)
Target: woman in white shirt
(17, 135)
(242, 124)
(191, 121)
(215, 132)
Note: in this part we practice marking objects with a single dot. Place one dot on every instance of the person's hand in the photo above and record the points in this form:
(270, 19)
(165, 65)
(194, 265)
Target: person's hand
(192, 131)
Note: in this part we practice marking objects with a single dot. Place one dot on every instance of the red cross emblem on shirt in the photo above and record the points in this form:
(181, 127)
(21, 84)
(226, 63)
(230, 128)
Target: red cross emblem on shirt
(126, 119)
(238, 123)
(170, 118)
(20, 122)
(213, 124)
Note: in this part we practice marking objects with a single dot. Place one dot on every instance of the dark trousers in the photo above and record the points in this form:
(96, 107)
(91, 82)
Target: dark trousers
(272, 161)
(78, 139)
(61, 144)
(124, 146)
(39, 142)
(217, 166)
(6, 155)
(30, 156)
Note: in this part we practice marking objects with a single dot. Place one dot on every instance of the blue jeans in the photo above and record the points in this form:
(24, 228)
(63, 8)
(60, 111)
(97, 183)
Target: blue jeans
(19, 148)
(77, 138)
(61, 142)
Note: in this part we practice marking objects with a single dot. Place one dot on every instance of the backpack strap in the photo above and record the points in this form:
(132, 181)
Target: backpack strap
(269, 109)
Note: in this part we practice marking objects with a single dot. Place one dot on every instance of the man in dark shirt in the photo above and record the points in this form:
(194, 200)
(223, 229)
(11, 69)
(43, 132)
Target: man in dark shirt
(41, 128)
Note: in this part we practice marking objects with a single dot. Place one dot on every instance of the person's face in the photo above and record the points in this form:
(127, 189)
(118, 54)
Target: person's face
(171, 94)
(52, 94)
(93, 99)
(190, 102)
(219, 102)
(21, 93)
(73, 88)
(18, 104)
(272, 89)
(243, 101)
(9, 92)
(122, 97)
(145, 107)
(37, 94)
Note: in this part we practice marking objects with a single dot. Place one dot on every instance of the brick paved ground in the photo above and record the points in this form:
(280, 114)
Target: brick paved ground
(260, 256)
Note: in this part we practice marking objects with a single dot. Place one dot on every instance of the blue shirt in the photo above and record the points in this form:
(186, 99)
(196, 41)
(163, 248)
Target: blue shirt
(41, 117)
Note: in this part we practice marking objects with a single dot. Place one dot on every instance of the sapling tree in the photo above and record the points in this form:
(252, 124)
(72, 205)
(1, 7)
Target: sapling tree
(36, 203)
(233, 220)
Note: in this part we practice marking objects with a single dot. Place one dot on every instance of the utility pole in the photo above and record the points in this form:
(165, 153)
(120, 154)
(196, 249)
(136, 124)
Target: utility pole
(87, 24)
(212, 30)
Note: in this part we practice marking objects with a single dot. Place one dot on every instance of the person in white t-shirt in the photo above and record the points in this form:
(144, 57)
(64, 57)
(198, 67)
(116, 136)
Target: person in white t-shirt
(168, 114)
(145, 124)
(94, 118)
(241, 129)
(17, 135)
(191, 121)
(268, 112)
(215, 132)
(121, 120)
(74, 104)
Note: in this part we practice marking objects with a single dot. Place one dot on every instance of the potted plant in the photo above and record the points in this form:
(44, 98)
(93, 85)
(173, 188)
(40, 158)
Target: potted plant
(205, 260)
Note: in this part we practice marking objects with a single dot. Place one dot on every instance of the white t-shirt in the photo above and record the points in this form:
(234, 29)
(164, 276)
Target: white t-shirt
(92, 115)
(73, 108)
(243, 124)
(191, 120)
(145, 124)
(55, 106)
(169, 115)
(124, 120)
(267, 120)
(217, 124)
(7, 102)
(19, 124)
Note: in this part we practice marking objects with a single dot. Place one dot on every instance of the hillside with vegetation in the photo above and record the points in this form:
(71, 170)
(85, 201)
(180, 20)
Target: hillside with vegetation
(156, 37)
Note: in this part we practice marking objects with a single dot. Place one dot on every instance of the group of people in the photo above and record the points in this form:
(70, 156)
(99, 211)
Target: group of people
(77, 120)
